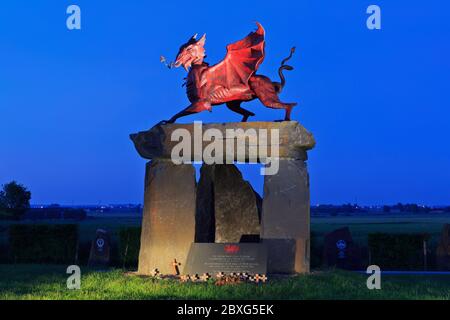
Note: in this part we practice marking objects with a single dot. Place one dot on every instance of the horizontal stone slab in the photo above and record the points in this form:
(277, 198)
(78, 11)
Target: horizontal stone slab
(241, 141)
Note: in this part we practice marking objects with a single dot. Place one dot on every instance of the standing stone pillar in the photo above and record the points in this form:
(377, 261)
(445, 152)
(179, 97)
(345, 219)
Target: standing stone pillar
(286, 218)
(236, 205)
(227, 206)
(168, 221)
(205, 221)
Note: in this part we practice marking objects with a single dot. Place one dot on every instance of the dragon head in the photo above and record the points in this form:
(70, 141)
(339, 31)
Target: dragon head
(191, 53)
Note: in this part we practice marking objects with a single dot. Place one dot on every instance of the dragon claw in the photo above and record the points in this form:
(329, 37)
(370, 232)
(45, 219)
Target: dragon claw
(246, 115)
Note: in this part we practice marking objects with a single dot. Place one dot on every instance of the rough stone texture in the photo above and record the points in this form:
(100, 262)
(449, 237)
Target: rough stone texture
(285, 216)
(235, 205)
(204, 215)
(280, 255)
(286, 202)
(168, 222)
(294, 139)
(227, 206)
(443, 249)
(288, 255)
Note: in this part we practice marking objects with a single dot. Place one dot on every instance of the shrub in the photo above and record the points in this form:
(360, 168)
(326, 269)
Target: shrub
(129, 244)
(14, 200)
(397, 251)
(43, 243)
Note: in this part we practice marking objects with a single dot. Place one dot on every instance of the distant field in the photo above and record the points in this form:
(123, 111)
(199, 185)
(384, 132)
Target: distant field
(49, 282)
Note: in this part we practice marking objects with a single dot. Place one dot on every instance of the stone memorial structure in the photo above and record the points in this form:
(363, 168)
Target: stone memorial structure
(100, 253)
(222, 207)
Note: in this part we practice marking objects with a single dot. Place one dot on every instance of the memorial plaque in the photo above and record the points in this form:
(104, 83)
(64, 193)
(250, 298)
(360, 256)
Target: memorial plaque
(100, 254)
(341, 251)
(213, 258)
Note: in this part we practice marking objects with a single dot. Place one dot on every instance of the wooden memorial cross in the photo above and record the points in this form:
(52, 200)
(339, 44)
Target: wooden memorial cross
(176, 269)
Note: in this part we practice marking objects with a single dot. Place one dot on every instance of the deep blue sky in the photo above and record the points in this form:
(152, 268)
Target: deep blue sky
(377, 101)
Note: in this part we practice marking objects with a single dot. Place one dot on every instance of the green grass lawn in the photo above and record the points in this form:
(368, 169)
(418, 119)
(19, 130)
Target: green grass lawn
(49, 282)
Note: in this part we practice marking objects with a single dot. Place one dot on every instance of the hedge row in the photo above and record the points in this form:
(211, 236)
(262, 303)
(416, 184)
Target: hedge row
(129, 244)
(397, 251)
(43, 243)
(388, 251)
(58, 244)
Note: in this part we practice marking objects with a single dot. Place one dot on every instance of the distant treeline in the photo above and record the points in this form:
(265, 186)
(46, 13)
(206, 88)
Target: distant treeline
(55, 213)
(354, 208)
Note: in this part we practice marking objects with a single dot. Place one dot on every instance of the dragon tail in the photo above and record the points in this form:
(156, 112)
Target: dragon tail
(284, 67)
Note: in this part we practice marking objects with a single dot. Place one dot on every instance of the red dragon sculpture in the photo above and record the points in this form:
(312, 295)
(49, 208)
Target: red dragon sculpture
(231, 81)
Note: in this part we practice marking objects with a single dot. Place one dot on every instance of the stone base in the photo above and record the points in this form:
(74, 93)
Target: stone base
(287, 256)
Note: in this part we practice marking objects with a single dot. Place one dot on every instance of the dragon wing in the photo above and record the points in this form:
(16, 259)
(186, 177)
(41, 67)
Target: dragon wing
(241, 62)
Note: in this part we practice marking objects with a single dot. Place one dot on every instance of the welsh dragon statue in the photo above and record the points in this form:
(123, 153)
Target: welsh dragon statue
(231, 81)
